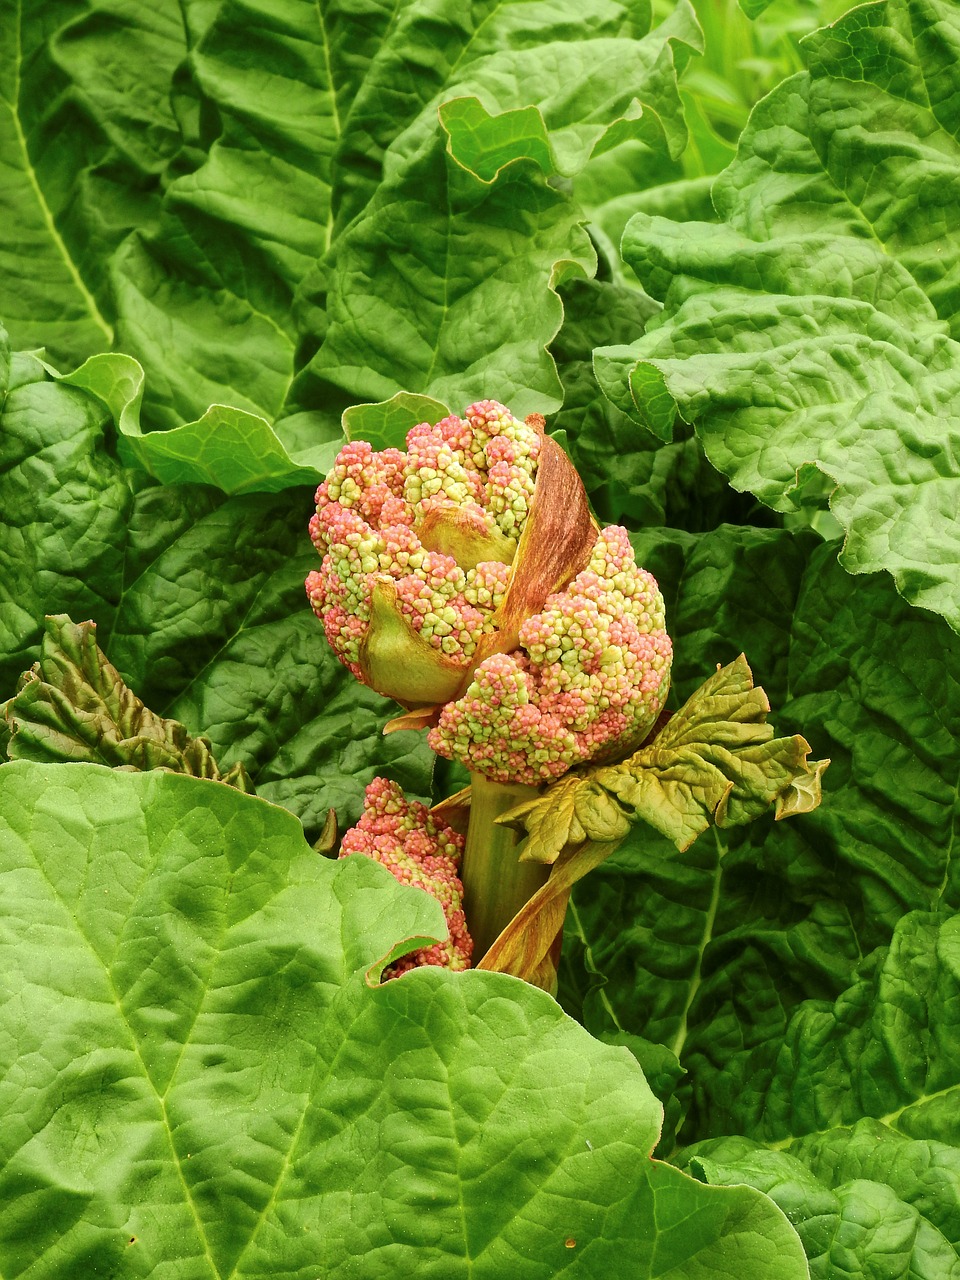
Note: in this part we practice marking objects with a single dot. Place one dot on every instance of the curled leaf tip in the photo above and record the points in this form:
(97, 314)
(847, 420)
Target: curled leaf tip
(803, 793)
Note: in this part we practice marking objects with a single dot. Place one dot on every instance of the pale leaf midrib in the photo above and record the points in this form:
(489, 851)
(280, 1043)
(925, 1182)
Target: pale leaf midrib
(337, 123)
(696, 977)
(948, 858)
(588, 953)
(135, 1048)
(890, 1120)
(45, 212)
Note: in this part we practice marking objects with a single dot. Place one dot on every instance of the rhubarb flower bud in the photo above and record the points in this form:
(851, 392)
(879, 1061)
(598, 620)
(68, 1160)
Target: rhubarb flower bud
(418, 850)
(467, 579)
(433, 558)
(589, 678)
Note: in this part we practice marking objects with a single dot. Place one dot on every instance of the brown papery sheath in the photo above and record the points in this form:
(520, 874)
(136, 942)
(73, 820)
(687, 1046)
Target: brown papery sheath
(555, 546)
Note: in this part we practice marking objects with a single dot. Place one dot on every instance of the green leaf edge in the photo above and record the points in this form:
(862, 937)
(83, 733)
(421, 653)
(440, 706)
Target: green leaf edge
(236, 451)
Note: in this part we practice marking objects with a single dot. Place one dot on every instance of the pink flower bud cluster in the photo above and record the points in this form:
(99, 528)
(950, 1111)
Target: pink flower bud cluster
(479, 470)
(591, 677)
(418, 850)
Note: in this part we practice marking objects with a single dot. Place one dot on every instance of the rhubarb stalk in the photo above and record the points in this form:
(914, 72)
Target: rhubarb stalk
(496, 885)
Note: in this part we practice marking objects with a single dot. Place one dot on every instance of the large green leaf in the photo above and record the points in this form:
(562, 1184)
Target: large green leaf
(468, 214)
(810, 337)
(710, 951)
(452, 309)
(601, 92)
(885, 1206)
(881, 80)
(274, 172)
(239, 452)
(563, 97)
(198, 599)
(863, 1112)
(885, 1049)
(235, 183)
(205, 300)
(66, 505)
(86, 129)
(632, 477)
(208, 1081)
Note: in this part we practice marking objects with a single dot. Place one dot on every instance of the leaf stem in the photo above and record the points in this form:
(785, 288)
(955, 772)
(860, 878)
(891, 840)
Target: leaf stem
(495, 883)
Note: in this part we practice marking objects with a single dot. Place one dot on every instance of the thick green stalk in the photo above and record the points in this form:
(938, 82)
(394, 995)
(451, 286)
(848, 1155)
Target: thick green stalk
(495, 883)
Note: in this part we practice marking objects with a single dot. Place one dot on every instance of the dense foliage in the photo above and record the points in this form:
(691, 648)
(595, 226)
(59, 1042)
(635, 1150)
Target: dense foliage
(234, 230)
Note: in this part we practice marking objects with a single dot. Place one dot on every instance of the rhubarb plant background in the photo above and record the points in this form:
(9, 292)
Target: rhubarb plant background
(230, 228)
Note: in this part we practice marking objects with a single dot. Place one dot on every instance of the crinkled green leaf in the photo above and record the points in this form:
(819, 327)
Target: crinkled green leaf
(814, 329)
(573, 810)
(877, 1191)
(882, 78)
(618, 462)
(72, 705)
(199, 602)
(481, 182)
(888, 1221)
(385, 425)
(86, 129)
(851, 382)
(207, 198)
(66, 506)
(715, 761)
(237, 451)
(452, 311)
(922, 1172)
(284, 143)
(484, 143)
(582, 995)
(612, 196)
(742, 62)
(205, 299)
(867, 1090)
(215, 632)
(885, 1049)
(511, 56)
(710, 951)
(631, 478)
(213, 1018)
(626, 92)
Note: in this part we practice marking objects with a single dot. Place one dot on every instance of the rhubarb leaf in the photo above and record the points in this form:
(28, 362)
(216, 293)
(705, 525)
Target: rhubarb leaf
(198, 600)
(867, 1156)
(86, 132)
(213, 1016)
(710, 951)
(811, 336)
(72, 705)
(715, 761)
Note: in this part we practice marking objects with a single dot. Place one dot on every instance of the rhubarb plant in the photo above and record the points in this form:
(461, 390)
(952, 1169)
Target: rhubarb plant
(467, 578)
(567, 973)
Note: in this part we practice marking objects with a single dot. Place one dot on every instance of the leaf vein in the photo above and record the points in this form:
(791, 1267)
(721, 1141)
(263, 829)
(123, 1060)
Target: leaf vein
(45, 211)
